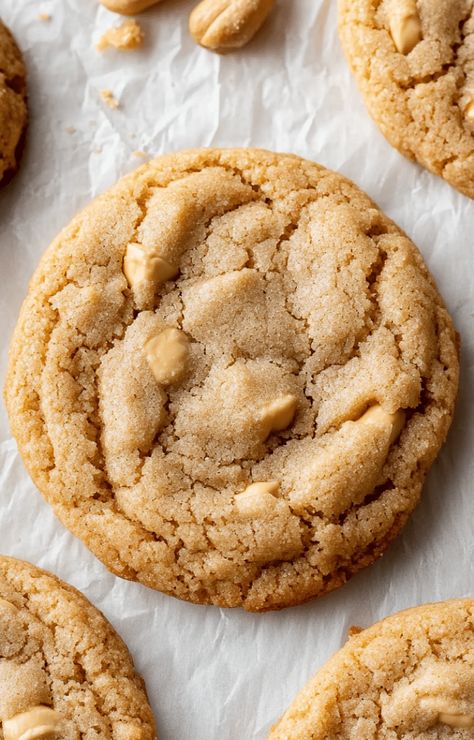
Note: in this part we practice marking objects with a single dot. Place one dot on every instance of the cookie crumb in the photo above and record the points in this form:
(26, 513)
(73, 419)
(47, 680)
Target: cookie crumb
(126, 37)
(353, 631)
(141, 155)
(70, 130)
(44, 17)
(109, 98)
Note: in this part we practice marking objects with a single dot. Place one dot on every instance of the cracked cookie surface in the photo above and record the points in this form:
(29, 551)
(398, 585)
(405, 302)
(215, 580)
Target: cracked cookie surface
(414, 63)
(13, 111)
(410, 675)
(230, 377)
(64, 672)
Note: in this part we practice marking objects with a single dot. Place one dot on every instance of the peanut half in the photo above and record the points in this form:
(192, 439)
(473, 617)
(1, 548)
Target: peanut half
(223, 25)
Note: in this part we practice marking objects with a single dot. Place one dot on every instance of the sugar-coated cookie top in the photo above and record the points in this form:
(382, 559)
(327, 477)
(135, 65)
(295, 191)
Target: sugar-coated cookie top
(230, 377)
(64, 673)
(13, 112)
(410, 676)
(414, 63)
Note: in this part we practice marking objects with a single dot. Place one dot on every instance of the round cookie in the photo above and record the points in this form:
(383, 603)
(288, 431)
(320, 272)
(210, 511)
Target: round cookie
(64, 672)
(13, 111)
(414, 63)
(230, 377)
(410, 675)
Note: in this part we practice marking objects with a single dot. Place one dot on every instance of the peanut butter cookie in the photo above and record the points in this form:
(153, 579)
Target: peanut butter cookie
(230, 377)
(64, 672)
(409, 676)
(13, 111)
(414, 63)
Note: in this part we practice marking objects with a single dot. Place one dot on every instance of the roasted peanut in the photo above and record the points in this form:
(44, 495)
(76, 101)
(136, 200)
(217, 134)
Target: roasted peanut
(223, 25)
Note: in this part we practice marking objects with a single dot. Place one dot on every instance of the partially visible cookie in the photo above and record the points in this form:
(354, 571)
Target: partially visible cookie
(128, 7)
(64, 672)
(409, 676)
(414, 63)
(13, 110)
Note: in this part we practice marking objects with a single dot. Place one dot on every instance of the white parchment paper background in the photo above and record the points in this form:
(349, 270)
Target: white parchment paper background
(213, 673)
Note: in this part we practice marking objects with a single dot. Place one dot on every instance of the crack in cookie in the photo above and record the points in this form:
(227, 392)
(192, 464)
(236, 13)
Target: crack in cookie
(256, 426)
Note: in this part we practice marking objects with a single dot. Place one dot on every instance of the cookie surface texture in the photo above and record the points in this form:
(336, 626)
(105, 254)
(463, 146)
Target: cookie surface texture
(230, 376)
(414, 64)
(13, 111)
(409, 676)
(64, 672)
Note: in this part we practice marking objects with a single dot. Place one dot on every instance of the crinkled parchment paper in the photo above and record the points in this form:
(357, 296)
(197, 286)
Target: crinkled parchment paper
(214, 673)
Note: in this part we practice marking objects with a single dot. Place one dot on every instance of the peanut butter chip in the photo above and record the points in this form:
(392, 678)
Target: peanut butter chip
(142, 264)
(379, 416)
(38, 722)
(257, 499)
(167, 355)
(456, 720)
(405, 26)
(7, 605)
(469, 110)
(278, 414)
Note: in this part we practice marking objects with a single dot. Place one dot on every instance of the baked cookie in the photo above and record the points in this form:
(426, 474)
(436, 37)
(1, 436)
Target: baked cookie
(230, 376)
(13, 111)
(409, 676)
(414, 63)
(64, 672)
